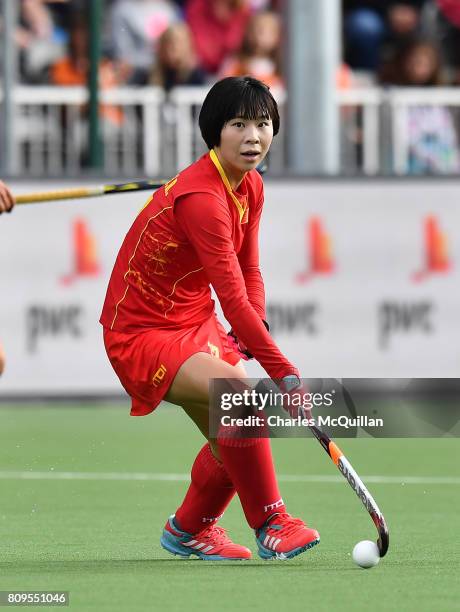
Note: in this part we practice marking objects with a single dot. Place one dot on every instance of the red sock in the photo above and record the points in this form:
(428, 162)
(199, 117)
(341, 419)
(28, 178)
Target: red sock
(249, 464)
(208, 495)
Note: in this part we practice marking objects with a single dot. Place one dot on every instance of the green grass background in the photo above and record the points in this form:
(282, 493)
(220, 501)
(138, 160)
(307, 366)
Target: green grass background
(100, 539)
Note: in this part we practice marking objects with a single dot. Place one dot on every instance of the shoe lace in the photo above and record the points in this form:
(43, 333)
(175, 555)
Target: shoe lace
(287, 524)
(214, 533)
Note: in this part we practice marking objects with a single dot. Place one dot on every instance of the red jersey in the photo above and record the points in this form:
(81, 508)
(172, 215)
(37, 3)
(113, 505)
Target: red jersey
(195, 232)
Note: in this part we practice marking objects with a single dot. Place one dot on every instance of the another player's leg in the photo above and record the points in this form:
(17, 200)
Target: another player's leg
(277, 533)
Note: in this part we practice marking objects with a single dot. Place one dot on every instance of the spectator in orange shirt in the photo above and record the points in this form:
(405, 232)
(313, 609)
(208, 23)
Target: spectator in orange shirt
(72, 70)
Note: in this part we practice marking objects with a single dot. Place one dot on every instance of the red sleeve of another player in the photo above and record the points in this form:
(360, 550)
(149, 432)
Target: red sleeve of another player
(207, 224)
(249, 263)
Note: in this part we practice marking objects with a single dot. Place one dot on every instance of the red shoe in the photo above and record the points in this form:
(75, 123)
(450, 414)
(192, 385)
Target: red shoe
(211, 543)
(284, 537)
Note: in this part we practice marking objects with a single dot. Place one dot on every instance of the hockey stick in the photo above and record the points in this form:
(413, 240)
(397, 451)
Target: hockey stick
(355, 482)
(350, 475)
(86, 192)
(100, 190)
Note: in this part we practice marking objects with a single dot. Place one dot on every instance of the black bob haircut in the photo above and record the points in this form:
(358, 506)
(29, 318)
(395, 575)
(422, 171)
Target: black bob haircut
(231, 97)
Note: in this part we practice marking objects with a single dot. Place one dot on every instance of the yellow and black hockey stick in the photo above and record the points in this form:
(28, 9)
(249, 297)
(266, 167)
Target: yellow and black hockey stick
(100, 190)
(86, 192)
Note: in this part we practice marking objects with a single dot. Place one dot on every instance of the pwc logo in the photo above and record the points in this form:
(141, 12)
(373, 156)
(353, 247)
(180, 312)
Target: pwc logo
(85, 258)
(435, 251)
(318, 252)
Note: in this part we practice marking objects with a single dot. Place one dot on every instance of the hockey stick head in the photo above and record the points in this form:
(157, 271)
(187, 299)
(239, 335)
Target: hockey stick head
(355, 482)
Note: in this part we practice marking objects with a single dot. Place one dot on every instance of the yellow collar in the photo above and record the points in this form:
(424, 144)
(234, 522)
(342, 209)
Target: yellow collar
(241, 210)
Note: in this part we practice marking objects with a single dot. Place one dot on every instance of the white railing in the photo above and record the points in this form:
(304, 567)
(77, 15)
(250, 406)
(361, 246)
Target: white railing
(386, 119)
(157, 134)
(50, 130)
(154, 134)
(368, 101)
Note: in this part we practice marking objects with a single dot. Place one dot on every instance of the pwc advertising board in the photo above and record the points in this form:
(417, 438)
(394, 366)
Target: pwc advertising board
(361, 281)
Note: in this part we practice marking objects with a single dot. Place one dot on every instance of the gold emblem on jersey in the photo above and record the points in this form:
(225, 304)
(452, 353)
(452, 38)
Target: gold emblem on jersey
(159, 375)
(214, 350)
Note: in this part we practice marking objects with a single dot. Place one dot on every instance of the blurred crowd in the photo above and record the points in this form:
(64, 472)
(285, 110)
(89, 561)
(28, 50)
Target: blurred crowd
(411, 43)
(191, 42)
(159, 42)
(403, 42)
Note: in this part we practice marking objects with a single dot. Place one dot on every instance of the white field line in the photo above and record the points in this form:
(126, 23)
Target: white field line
(158, 477)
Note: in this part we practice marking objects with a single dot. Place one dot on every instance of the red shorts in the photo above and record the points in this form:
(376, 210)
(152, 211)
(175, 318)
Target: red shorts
(147, 363)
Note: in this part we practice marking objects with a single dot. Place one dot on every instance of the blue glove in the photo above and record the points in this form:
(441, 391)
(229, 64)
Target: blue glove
(292, 385)
(291, 382)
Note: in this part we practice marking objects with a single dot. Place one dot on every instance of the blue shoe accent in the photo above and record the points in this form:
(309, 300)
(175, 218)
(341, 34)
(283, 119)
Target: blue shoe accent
(173, 540)
(268, 553)
(265, 553)
(173, 543)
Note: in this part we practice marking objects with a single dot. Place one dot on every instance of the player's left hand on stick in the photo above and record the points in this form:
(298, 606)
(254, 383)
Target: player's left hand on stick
(295, 389)
(6, 199)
